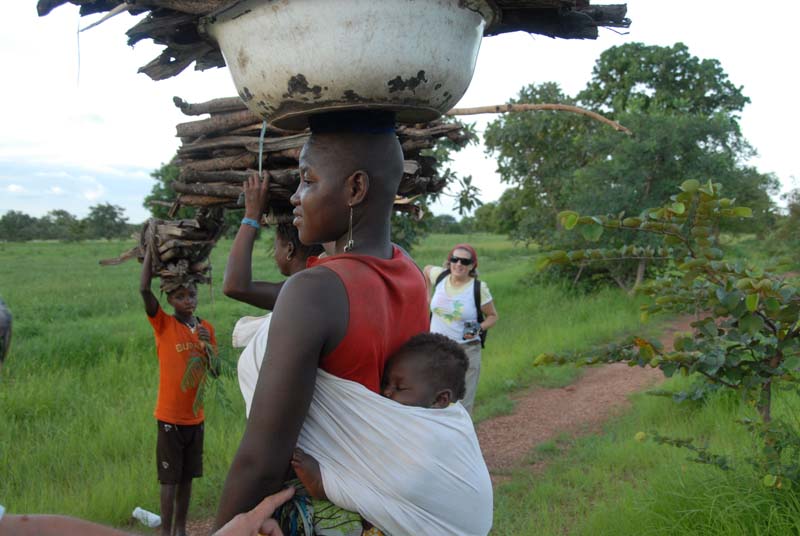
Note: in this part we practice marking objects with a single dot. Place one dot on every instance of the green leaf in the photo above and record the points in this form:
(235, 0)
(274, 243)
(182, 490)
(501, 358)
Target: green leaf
(678, 208)
(576, 255)
(542, 263)
(751, 324)
(770, 480)
(752, 302)
(690, 186)
(568, 219)
(743, 212)
(592, 232)
(791, 363)
(731, 300)
(772, 305)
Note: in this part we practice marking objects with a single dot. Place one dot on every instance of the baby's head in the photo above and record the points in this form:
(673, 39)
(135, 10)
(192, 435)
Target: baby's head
(428, 371)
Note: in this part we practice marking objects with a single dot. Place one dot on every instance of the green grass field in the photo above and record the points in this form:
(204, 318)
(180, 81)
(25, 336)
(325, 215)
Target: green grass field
(78, 389)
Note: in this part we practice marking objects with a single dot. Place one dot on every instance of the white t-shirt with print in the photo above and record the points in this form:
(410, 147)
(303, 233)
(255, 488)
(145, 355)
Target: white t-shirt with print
(452, 306)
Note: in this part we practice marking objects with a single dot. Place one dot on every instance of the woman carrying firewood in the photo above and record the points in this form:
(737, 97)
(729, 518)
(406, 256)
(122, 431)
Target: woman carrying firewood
(290, 256)
(345, 315)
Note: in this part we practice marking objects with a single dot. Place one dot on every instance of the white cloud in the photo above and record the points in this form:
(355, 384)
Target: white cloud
(15, 188)
(93, 195)
(53, 174)
(56, 190)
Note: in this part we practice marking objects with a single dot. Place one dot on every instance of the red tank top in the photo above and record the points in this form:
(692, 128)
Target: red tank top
(388, 305)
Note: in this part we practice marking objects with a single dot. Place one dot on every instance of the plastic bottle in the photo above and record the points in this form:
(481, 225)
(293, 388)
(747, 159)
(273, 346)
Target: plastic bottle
(146, 518)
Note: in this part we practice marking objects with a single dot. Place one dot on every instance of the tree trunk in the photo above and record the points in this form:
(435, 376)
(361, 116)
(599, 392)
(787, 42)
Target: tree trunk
(765, 402)
(620, 283)
(640, 271)
(578, 275)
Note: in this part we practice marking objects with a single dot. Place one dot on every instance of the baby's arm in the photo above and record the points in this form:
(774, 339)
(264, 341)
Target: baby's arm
(307, 470)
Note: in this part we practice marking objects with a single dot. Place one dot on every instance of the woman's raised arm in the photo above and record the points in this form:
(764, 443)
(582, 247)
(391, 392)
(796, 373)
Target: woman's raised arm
(309, 321)
(238, 281)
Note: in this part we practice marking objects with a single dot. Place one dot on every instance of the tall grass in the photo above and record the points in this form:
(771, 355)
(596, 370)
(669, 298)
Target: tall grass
(77, 435)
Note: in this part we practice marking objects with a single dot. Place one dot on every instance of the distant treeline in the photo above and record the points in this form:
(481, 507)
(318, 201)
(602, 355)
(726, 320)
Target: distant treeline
(103, 221)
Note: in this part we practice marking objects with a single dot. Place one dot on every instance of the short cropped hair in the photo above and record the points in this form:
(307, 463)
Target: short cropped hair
(445, 361)
(288, 233)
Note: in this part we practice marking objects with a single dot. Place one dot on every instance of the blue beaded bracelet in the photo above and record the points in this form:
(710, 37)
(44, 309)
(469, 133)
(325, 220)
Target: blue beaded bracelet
(251, 222)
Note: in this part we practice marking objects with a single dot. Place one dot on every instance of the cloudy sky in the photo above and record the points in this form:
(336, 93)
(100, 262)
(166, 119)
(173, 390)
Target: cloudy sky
(79, 126)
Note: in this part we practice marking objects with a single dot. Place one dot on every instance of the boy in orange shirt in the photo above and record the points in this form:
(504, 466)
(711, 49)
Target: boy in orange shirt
(179, 450)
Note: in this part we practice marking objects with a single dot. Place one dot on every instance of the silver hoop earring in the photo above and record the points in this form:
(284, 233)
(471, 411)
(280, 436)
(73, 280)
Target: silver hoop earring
(350, 243)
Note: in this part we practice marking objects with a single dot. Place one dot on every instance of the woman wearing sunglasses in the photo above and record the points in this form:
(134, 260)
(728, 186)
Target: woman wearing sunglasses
(462, 309)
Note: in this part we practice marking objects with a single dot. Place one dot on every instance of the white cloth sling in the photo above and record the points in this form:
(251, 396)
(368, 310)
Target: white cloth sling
(250, 333)
(407, 470)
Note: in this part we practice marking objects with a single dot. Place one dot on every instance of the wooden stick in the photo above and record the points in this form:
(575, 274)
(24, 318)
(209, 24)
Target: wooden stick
(204, 201)
(286, 178)
(215, 124)
(173, 61)
(432, 132)
(43, 7)
(113, 13)
(280, 144)
(208, 189)
(287, 154)
(249, 142)
(228, 104)
(504, 108)
(195, 7)
(240, 161)
(221, 192)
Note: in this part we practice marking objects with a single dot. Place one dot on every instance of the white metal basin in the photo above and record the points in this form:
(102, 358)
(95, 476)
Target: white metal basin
(293, 58)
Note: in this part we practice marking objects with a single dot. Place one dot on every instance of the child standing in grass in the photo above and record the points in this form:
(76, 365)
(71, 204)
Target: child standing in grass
(179, 449)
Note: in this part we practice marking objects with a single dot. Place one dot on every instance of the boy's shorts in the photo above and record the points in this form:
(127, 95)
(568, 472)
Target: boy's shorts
(179, 452)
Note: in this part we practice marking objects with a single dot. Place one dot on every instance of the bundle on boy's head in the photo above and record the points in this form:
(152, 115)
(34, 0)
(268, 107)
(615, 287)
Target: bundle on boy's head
(181, 276)
(445, 361)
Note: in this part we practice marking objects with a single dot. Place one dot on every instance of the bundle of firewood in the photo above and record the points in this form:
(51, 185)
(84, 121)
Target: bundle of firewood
(180, 248)
(174, 24)
(219, 153)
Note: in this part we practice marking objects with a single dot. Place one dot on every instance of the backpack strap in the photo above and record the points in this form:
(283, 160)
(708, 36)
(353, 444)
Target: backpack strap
(441, 277)
(476, 290)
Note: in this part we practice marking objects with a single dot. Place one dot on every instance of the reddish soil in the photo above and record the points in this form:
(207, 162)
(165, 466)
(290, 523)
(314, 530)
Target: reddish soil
(542, 415)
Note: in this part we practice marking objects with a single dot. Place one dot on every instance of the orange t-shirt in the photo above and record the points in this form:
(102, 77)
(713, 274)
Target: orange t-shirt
(175, 344)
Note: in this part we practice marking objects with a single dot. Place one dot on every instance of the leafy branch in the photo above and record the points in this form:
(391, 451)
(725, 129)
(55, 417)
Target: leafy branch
(747, 336)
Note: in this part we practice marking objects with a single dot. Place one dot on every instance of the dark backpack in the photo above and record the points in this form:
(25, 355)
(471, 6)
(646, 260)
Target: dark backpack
(476, 291)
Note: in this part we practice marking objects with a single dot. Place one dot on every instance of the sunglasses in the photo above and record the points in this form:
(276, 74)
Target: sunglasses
(464, 262)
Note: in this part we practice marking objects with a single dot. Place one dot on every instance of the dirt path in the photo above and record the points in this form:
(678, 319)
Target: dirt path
(541, 415)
